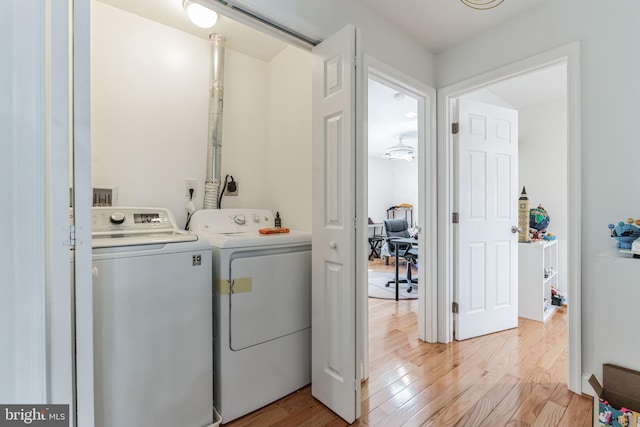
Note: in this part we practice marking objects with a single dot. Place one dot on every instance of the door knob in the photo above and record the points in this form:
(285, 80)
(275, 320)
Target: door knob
(332, 245)
(516, 229)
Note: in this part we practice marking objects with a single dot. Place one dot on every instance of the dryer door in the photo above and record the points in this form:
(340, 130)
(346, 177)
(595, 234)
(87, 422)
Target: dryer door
(270, 295)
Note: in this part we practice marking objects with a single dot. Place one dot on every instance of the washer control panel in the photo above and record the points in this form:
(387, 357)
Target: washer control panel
(108, 219)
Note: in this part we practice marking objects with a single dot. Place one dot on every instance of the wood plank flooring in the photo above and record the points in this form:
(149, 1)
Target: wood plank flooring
(511, 378)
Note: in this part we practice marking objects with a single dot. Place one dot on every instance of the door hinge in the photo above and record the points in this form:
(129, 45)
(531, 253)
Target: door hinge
(355, 61)
(454, 308)
(455, 128)
(455, 218)
(72, 236)
(355, 223)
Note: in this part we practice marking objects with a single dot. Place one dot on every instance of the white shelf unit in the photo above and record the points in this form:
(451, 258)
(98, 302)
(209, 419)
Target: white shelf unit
(534, 259)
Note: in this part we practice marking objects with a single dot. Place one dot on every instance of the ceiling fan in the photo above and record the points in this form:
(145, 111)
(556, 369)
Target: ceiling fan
(400, 151)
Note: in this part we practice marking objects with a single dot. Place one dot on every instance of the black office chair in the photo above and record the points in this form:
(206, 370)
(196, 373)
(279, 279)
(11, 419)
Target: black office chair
(400, 228)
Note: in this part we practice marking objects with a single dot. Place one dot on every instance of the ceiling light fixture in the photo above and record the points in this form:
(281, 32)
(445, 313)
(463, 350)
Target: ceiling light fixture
(399, 151)
(482, 4)
(200, 15)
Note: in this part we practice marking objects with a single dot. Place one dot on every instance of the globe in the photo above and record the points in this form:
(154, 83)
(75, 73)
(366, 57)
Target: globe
(538, 219)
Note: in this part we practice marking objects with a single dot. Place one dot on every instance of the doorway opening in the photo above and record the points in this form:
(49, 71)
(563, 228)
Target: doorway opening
(565, 62)
(399, 110)
(393, 152)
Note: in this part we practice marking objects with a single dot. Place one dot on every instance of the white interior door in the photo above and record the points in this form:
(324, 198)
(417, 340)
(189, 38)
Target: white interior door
(333, 317)
(487, 249)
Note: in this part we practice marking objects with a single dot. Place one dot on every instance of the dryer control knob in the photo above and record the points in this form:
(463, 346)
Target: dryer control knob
(255, 218)
(117, 218)
(239, 219)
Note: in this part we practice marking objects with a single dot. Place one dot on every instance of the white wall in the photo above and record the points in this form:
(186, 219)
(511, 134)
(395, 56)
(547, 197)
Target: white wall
(245, 130)
(149, 103)
(289, 138)
(405, 181)
(150, 97)
(543, 168)
(380, 188)
(391, 182)
(608, 117)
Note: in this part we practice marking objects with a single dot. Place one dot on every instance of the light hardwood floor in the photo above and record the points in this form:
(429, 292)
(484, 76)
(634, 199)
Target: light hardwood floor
(511, 378)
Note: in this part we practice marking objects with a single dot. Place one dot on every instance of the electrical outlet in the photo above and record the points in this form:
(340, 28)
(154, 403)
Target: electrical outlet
(228, 192)
(188, 185)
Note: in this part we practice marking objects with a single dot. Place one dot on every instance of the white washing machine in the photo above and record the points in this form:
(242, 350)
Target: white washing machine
(262, 309)
(152, 308)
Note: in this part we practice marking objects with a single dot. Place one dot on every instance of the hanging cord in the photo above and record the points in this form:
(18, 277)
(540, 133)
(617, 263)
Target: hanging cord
(224, 187)
(186, 226)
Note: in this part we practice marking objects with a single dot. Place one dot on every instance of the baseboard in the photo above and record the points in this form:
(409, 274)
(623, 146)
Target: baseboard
(586, 387)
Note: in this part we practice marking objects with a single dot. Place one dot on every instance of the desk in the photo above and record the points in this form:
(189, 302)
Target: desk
(395, 241)
(375, 240)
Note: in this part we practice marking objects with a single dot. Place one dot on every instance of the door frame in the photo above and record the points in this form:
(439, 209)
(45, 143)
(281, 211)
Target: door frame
(82, 203)
(427, 198)
(569, 54)
(58, 107)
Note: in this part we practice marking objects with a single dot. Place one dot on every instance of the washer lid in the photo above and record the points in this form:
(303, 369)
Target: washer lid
(111, 240)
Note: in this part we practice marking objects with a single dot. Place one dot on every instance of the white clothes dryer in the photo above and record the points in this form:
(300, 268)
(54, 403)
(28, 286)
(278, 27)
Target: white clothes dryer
(152, 308)
(262, 309)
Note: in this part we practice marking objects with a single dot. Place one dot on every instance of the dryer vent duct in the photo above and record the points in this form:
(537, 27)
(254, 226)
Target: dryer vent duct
(216, 96)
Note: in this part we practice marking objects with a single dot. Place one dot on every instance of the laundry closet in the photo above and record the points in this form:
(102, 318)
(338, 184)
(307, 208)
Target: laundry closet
(149, 114)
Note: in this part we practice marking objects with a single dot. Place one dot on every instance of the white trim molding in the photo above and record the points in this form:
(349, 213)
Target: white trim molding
(427, 177)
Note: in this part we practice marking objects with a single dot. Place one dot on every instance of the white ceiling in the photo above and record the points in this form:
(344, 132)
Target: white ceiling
(239, 37)
(437, 24)
(534, 88)
(387, 119)
(440, 24)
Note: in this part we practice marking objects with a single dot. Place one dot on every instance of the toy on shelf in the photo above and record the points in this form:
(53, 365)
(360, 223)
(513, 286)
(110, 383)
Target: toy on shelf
(557, 298)
(538, 222)
(625, 233)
